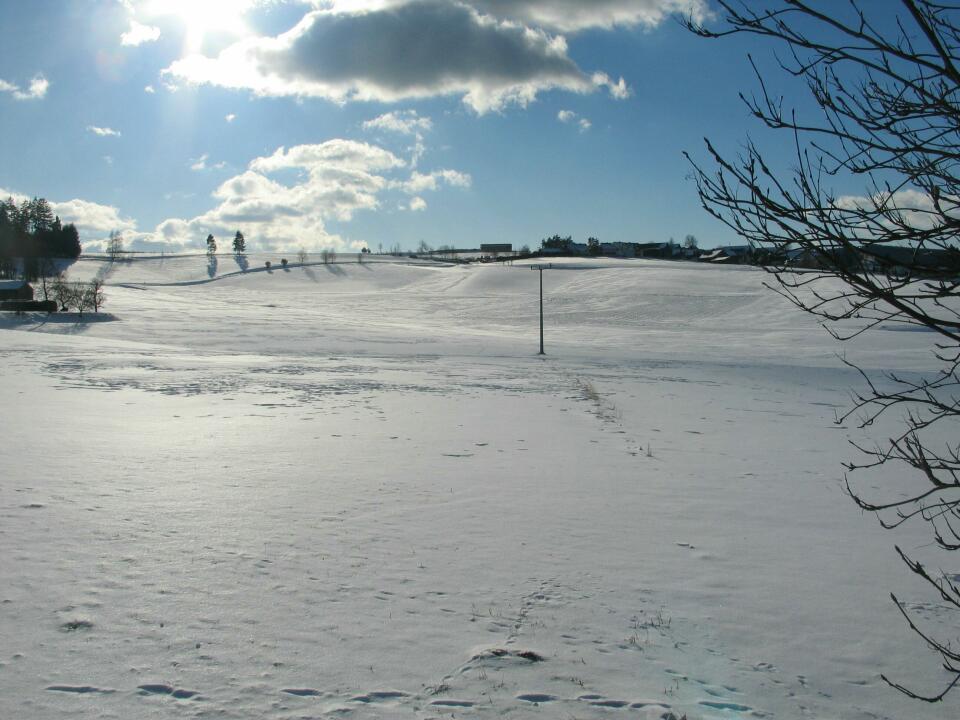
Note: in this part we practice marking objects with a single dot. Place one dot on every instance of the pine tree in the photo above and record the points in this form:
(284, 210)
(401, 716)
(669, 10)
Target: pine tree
(41, 216)
(211, 244)
(239, 243)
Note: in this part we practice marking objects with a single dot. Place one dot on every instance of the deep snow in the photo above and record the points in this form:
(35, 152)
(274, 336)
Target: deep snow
(356, 490)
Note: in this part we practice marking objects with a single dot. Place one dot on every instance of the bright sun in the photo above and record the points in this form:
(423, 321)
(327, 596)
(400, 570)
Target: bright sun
(204, 17)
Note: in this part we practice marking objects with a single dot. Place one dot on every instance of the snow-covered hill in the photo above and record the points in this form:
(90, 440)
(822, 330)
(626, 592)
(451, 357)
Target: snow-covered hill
(356, 490)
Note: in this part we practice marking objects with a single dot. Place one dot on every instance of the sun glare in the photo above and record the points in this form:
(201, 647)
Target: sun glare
(202, 18)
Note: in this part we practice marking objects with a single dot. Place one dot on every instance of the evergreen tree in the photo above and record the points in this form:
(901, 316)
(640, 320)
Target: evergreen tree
(6, 238)
(41, 216)
(239, 243)
(21, 216)
(68, 242)
(211, 244)
(30, 231)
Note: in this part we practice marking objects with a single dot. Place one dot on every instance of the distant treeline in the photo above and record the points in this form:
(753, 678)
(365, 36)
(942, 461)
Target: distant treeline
(30, 231)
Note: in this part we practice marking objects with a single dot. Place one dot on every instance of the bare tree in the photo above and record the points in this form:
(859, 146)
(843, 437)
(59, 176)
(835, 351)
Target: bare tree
(95, 295)
(81, 297)
(301, 256)
(61, 291)
(115, 245)
(886, 78)
(47, 270)
(328, 256)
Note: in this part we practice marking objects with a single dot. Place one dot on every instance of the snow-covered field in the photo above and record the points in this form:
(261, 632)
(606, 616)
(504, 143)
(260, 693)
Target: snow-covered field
(357, 491)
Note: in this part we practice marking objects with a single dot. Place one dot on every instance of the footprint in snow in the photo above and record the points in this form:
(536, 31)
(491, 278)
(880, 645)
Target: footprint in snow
(536, 697)
(80, 689)
(735, 707)
(379, 696)
(609, 703)
(76, 624)
(640, 704)
(159, 689)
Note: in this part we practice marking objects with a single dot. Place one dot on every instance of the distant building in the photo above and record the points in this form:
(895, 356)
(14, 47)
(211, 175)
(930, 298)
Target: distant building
(15, 290)
(731, 255)
(563, 246)
(496, 247)
(619, 249)
(637, 250)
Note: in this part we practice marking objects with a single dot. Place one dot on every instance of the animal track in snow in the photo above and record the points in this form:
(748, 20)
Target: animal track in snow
(302, 692)
(379, 696)
(536, 697)
(609, 703)
(735, 707)
(80, 689)
(452, 703)
(639, 704)
(159, 689)
(78, 624)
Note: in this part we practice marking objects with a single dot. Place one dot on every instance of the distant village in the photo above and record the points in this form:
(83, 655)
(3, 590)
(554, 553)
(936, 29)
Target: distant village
(894, 260)
(557, 246)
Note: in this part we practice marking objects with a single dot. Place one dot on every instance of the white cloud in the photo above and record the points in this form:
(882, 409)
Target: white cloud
(103, 131)
(139, 34)
(149, 89)
(286, 199)
(280, 201)
(558, 15)
(337, 179)
(36, 91)
(420, 182)
(916, 208)
(365, 55)
(404, 122)
(91, 217)
(199, 164)
(230, 117)
(569, 116)
(574, 15)
(618, 90)
(340, 154)
(108, 159)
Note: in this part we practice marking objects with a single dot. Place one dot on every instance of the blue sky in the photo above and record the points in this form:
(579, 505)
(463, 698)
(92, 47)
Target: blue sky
(349, 123)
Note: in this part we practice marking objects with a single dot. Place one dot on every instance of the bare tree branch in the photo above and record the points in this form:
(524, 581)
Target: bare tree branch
(886, 79)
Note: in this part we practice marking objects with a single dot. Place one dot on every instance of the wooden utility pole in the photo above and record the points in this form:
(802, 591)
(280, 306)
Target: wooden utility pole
(541, 268)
